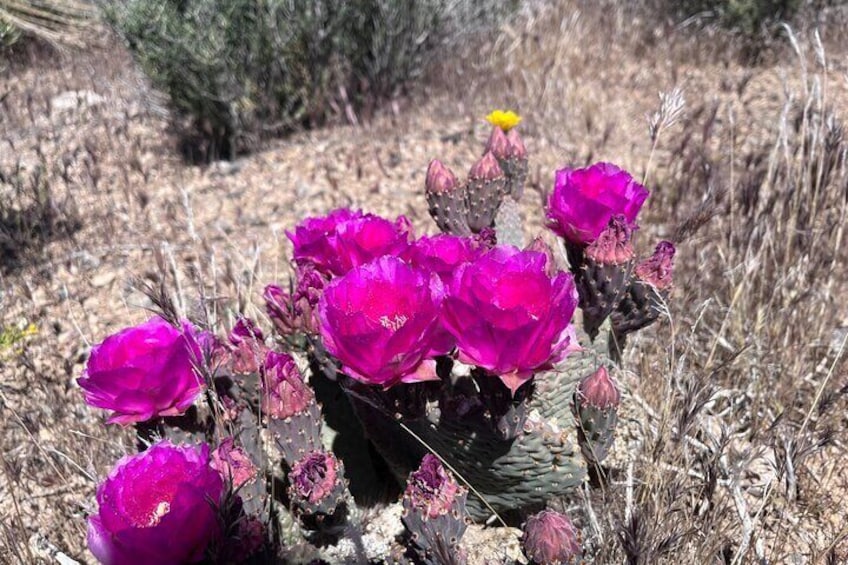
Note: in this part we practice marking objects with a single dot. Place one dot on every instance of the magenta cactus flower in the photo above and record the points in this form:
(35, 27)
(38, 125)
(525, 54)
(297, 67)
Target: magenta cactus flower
(431, 489)
(233, 463)
(144, 372)
(284, 393)
(443, 253)
(345, 239)
(584, 200)
(551, 539)
(508, 316)
(159, 506)
(381, 321)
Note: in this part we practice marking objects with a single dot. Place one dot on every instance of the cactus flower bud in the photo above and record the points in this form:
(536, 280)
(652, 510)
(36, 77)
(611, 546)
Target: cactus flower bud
(596, 403)
(657, 269)
(294, 416)
(602, 272)
(539, 246)
(649, 287)
(517, 149)
(486, 168)
(440, 179)
(599, 390)
(431, 489)
(498, 145)
(446, 199)
(248, 347)
(233, 463)
(485, 190)
(284, 393)
(613, 245)
(434, 514)
(551, 539)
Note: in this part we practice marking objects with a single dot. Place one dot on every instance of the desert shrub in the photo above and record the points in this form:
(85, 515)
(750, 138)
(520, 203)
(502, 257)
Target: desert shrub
(242, 70)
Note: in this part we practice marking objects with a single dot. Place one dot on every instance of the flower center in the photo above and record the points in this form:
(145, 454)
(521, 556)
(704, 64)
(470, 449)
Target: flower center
(395, 323)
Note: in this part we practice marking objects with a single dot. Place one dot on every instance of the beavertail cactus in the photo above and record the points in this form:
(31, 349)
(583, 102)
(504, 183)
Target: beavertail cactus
(485, 190)
(648, 290)
(434, 514)
(596, 403)
(508, 148)
(446, 199)
(602, 271)
(551, 539)
(293, 416)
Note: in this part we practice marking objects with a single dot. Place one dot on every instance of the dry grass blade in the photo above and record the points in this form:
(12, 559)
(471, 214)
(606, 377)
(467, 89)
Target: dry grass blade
(61, 22)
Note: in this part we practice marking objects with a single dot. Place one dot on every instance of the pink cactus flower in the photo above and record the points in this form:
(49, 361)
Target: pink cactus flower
(233, 463)
(381, 320)
(345, 239)
(508, 316)
(443, 253)
(144, 372)
(584, 201)
(159, 506)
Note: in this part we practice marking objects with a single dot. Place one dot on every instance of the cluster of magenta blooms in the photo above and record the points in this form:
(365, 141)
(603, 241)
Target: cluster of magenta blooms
(385, 305)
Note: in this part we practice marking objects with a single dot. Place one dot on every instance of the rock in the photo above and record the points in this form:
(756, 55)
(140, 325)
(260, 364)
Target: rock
(75, 99)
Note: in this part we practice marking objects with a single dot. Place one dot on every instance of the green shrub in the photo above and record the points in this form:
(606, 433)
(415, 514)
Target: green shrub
(242, 69)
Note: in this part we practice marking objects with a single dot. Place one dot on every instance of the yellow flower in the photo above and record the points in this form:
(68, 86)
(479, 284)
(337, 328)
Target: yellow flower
(504, 119)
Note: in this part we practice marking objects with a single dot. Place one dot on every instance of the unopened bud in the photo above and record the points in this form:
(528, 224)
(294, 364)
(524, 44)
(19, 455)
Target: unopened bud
(498, 144)
(598, 390)
(440, 179)
(551, 539)
(487, 168)
(284, 393)
(516, 149)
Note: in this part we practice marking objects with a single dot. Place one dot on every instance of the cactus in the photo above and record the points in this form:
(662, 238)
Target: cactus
(648, 290)
(550, 538)
(596, 403)
(293, 416)
(446, 199)
(447, 353)
(484, 192)
(601, 271)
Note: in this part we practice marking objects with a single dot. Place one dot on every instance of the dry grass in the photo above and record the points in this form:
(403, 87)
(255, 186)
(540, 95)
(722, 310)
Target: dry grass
(734, 419)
